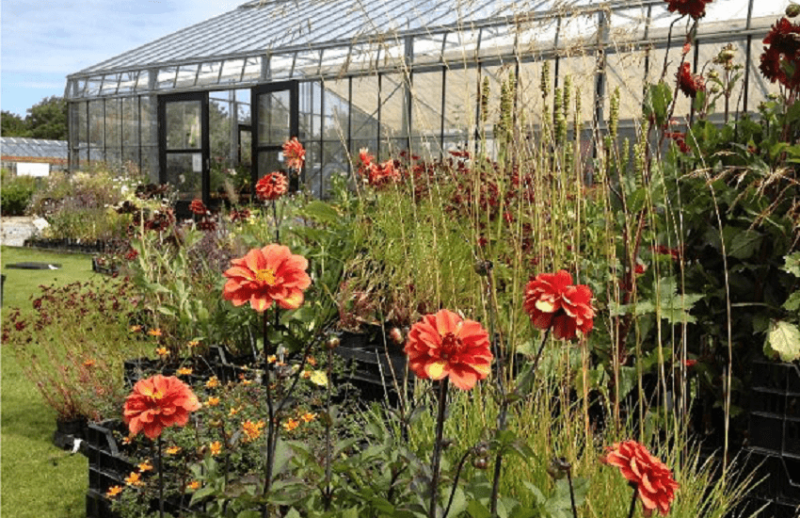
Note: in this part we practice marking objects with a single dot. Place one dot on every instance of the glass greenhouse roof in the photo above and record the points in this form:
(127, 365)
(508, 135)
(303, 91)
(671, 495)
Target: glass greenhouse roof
(32, 148)
(267, 40)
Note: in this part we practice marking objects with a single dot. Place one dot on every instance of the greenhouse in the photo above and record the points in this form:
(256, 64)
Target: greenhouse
(207, 108)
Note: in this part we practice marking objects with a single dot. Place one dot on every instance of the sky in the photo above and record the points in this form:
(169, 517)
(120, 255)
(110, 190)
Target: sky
(43, 41)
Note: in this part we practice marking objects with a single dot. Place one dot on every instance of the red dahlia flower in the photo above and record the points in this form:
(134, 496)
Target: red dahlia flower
(157, 403)
(295, 153)
(688, 83)
(694, 8)
(272, 186)
(782, 55)
(197, 207)
(552, 301)
(444, 344)
(653, 479)
(271, 274)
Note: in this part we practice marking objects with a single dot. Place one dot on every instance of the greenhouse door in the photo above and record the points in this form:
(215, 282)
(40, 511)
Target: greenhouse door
(275, 119)
(183, 146)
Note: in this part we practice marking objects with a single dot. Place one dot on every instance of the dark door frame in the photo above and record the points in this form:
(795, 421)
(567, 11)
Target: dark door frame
(294, 120)
(205, 147)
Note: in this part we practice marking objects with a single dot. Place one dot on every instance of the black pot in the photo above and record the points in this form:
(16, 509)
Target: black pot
(67, 431)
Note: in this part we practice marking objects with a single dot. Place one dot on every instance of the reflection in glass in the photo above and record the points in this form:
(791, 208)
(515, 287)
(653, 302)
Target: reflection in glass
(273, 118)
(183, 125)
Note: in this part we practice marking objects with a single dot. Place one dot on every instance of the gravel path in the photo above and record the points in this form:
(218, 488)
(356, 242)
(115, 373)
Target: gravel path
(15, 230)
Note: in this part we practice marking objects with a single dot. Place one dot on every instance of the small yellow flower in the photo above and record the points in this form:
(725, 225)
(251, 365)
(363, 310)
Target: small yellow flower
(319, 378)
(291, 424)
(212, 401)
(162, 351)
(193, 343)
(145, 466)
(184, 371)
(252, 430)
(234, 411)
(127, 440)
(213, 382)
(155, 332)
(308, 417)
(113, 491)
(134, 479)
(306, 375)
(173, 450)
(311, 361)
(272, 358)
(194, 485)
(89, 363)
(215, 448)
(246, 382)
(135, 329)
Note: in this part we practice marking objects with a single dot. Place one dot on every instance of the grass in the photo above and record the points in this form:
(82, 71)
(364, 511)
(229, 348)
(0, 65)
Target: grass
(38, 479)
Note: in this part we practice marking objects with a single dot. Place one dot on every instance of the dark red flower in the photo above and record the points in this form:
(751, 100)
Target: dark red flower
(197, 207)
(680, 141)
(207, 224)
(239, 215)
(694, 8)
(553, 302)
(688, 83)
(272, 186)
(781, 60)
(653, 479)
(131, 255)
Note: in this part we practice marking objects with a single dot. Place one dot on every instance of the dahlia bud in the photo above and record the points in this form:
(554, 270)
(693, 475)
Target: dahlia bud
(396, 336)
(333, 342)
(558, 467)
(726, 54)
(713, 74)
(483, 268)
(480, 463)
(792, 10)
(482, 450)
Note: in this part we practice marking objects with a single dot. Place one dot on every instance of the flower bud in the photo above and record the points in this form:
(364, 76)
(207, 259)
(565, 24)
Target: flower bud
(483, 268)
(396, 336)
(480, 463)
(727, 54)
(792, 10)
(558, 467)
(713, 74)
(482, 450)
(333, 342)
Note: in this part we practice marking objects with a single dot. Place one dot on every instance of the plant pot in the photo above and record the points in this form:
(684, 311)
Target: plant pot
(67, 431)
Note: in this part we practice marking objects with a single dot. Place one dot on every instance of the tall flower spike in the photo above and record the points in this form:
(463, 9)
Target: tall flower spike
(445, 345)
(267, 275)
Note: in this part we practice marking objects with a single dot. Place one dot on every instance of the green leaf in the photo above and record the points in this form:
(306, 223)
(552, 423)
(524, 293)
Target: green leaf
(252, 513)
(783, 341)
(459, 502)
(478, 510)
(674, 306)
(792, 264)
(321, 212)
(745, 244)
(793, 302)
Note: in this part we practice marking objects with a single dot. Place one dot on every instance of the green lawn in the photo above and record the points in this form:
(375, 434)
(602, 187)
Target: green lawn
(38, 479)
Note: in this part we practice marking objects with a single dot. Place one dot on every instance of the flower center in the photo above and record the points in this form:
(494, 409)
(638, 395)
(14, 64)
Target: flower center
(267, 275)
(451, 345)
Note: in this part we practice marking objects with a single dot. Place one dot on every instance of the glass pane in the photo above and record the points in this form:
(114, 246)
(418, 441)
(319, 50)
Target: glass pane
(273, 118)
(461, 102)
(337, 110)
(365, 107)
(96, 123)
(113, 123)
(394, 113)
(310, 110)
(183, 125)
(130, 121)
(268, 162)
(313, 179)
(426, 103)
(245, 149)
(184, 171)
(223, 133)
(149, 120)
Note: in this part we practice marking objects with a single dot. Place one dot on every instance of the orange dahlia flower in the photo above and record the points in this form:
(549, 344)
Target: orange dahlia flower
(157, 403)
(270, 274)
(295, 153)
(272, 186)
(552, 301)
(653, 479)
(198, 207)
(444, 344)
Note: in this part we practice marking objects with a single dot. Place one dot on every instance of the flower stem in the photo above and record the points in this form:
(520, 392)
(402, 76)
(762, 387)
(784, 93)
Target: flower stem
(437, 447)
(572, 494)
(501, 425)
(271, 426)
(328, 444)
(633, 503)
(455, 480)
(160, 482)
(275, 218)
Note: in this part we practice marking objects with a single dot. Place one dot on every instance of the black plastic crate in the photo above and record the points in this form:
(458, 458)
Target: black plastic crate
(779, 475)
(791, 436)
(766, 432)
(772, 508)
(768, 401)
(97, 505)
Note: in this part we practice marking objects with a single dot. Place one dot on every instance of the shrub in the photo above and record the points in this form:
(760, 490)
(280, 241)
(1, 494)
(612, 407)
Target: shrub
(16, 193)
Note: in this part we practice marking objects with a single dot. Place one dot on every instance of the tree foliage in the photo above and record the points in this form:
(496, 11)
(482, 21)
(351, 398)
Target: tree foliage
(46, 120)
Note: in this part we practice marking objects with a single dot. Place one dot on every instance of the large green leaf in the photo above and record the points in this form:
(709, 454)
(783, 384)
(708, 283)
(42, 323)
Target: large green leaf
(675, 306)
(745, 243)
(783, 341)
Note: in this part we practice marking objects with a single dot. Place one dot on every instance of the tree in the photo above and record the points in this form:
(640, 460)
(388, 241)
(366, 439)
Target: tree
(12, 125)
(48, 119)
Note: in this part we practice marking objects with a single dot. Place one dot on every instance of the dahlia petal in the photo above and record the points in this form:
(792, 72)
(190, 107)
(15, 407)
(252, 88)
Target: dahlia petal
(293, 301)
(463, 378)
(259, 302)
(546, 306)
(436, 370)
(254, 260)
